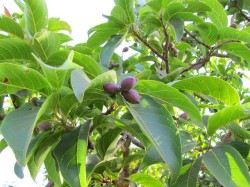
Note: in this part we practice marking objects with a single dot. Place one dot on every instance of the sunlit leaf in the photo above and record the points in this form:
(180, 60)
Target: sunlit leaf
(145, 180)
(8, 25)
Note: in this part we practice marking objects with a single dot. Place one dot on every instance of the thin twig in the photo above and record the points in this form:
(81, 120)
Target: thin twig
(197, 40)
(148, 45)
(166, 46)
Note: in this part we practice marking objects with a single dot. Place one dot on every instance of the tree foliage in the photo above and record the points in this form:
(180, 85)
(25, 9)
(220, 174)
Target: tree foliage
(170, 109)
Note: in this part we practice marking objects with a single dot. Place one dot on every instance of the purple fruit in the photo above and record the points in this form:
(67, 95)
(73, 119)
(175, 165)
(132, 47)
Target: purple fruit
(132, 96)
(111, 88)
(183, 116)
(128, 83)
(45, 126)
(125, 49)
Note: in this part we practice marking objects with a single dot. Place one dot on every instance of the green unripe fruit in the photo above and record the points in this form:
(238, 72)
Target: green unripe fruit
(132, 96)
(128, 83)
(111, 88)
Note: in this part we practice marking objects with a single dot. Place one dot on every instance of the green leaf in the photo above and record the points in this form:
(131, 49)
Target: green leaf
(106, 144)
(128, 7)
(95, 91)
(16, 77)
(145, 180)
(10, 26)
(45, 44)
(108, 49)
(67, 103)
(101, 34)
(239, 131)
(71, 155)
(227, 166)
(237, 49)
(57, 75)
(15, 49)
(157, 123)
(52, 170)
(119, 13)
(23, 120)
(79, 82)
(211, 86)
(227, 115)
(208, 32)
(151, 157)
(55, 24)
(170, 95)
(217, 15)
(187, 16)
(187, 142)
(195, 6)
(228, 33)
(171, 9)
(3, 145)
(178, 25)
(35, 15)
(189, 178)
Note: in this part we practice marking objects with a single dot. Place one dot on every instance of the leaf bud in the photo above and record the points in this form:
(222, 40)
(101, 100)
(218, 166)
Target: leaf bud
(111, 88)
(183, 116)
(45, 126)
(132, 96)
(128, 83)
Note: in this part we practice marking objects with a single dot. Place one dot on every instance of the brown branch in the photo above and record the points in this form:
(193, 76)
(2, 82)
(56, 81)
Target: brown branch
(110, 109)
(134, 141)
(166, 46)
(148, 45)
(198, 41)
(220, 55)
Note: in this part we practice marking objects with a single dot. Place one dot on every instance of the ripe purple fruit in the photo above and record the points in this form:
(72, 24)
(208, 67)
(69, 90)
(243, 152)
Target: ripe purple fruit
(111, 88)
(128, 83)
(132, 96)
(125, 49)
(45, 126)
(183, 116)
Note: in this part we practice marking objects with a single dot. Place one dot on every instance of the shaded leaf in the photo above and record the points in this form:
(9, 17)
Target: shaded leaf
(208, 32)
(211, 86)
(227, 115)
(151, 157)
(71, 155)
(227, 166)
(178, 25)
(157, 123)
(187, 142)
(239, 131)
(19, 140)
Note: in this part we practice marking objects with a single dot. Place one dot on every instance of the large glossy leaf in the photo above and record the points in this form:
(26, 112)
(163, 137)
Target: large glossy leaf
(71, 155)
(208, 32)
(228, 33)
(186, 142)
(151, 157)
(227, 166)
(128, 7)
(17, 128)
(145, 180)
(195, 6)
(171, 96)
(237, 49)
(79, 82)
(57, 75)
(189, 178)
(187, 16)
(211, 86)
(45, 44)
(35, 15)
(119, 13)
(108, 49)
(218, 15)
(15, 49)
(157, 124)
(15, 77)
(227, 115)
(10, 26)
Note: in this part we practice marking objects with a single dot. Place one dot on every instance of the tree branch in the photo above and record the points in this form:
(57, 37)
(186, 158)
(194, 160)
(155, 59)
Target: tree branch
(241, 11)
(166, 46)
(198, 41)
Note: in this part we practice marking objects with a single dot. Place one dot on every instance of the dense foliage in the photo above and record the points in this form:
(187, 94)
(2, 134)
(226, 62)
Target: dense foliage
(173, 113)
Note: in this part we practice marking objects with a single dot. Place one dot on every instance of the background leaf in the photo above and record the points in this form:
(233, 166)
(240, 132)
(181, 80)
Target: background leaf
(145, 180)
(178, 25)
(157, 123)
(10, 26)
(227, 166)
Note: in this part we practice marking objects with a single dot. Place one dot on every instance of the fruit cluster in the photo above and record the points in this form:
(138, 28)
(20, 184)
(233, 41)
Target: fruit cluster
(126, 89)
